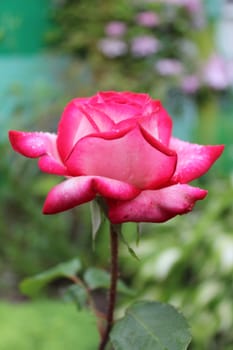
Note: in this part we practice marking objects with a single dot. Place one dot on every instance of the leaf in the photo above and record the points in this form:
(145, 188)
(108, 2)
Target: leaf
(96, 218)
(151, 325)
(32, 285)
(78, 294)
(97, 278)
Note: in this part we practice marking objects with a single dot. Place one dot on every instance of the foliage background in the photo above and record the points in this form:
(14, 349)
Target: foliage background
(187, 261)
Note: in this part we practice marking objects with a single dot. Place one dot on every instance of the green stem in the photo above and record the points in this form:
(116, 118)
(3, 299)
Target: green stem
(113, 286)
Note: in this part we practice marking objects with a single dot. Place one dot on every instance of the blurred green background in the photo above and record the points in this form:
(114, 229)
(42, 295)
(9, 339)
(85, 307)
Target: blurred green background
(178, 51)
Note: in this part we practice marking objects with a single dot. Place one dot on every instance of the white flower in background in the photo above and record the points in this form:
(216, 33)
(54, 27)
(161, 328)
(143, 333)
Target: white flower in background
(144, 45)
(216, 73)
(169, 66)
(112, 48)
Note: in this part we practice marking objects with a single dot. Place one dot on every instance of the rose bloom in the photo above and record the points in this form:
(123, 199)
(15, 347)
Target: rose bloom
(118, 145)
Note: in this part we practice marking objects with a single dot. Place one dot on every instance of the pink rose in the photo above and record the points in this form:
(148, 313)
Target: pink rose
(118, 145)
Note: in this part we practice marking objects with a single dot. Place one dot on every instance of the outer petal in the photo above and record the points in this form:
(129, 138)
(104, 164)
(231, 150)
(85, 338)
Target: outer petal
(32, 144)
(156, 206)
(76, 191)
(193, 160)
(39, 145)
(130, 158)
(50, 165)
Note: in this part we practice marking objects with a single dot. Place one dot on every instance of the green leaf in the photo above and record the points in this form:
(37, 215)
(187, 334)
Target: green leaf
(96, 218)
(97, 278)
(77, 294)
(32, 285)
(151, 325)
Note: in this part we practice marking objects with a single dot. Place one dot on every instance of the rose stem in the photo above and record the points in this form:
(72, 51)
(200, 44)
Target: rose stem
(113, 286)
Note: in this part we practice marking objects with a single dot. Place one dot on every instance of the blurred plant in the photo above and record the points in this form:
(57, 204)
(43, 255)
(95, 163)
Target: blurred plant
(126, 39)
(190, 264)
(136, 44)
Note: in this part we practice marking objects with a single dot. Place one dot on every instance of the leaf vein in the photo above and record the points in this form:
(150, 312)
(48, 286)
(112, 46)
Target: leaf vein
(145, 328)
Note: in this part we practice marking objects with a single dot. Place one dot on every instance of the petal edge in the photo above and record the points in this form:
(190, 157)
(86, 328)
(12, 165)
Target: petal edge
(156, 206)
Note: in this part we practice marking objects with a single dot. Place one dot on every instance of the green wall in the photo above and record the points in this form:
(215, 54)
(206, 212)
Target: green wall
(24, 25)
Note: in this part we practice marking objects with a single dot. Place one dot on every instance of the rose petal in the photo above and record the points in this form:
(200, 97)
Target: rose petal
(102, 121)
(118, 112)
(33, 144)
(193, 160)
(125, 97)
(73, 125)
(49, 165)
(156, 206)
(122, 105)
(157, 122)
(76, 191)
(39, 145)
(129, 158)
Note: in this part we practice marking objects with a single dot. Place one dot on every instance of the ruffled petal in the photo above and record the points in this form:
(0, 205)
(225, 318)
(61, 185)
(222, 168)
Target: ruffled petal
(39, 145)
(101, 120)
(118, 112)
(156, 206)
(74, 125)
(76, 191)
(193, 160)
(129, 158)
(122, 105)
(123, 97)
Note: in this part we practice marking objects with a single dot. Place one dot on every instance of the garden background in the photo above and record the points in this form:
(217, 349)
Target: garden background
(178, 51)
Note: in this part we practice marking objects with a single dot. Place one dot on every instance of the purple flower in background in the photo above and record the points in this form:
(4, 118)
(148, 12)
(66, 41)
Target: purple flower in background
(190, 84)
(112, 47)
(216, 73)
(115, 28)
(147, 19)
(169, 66)
(193, 6)
(144, 45)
